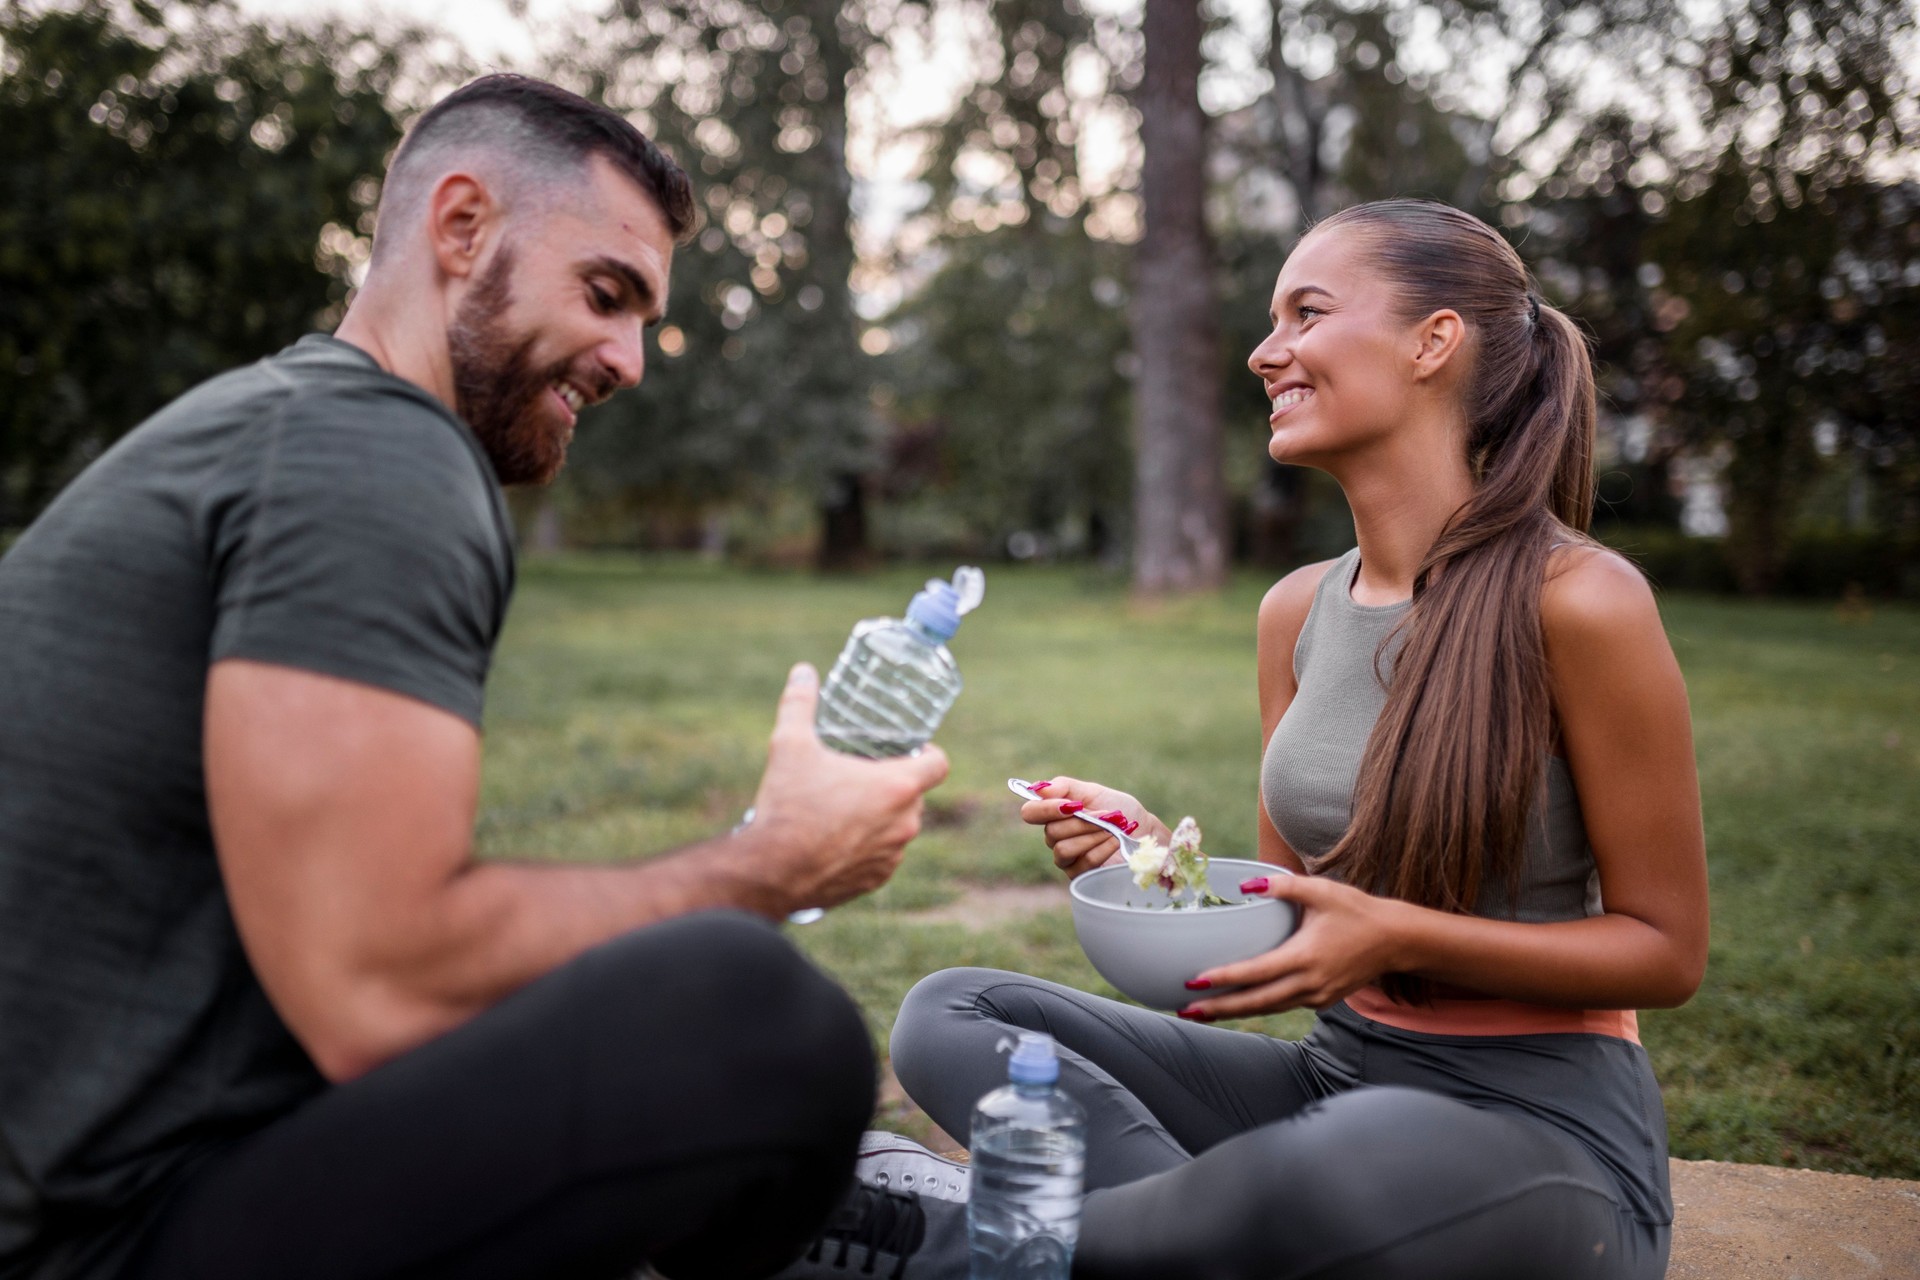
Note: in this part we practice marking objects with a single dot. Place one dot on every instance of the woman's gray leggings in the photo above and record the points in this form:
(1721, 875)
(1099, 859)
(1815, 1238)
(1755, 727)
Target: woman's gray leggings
(1361, 1151)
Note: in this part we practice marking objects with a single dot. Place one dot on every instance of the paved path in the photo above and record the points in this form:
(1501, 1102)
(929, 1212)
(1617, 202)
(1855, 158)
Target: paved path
(1755, 1222)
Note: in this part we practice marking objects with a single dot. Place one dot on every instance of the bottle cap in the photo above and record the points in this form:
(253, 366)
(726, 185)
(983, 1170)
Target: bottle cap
(1033, 1060)
(941, 605)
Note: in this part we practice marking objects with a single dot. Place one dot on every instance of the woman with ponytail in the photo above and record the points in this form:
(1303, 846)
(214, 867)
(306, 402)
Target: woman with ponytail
(1478, 768)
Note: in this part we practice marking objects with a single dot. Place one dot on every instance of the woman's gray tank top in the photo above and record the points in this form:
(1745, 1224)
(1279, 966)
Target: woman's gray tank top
(1313, 758)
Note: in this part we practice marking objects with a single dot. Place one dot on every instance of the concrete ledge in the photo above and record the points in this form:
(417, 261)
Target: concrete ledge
(1756, 1222)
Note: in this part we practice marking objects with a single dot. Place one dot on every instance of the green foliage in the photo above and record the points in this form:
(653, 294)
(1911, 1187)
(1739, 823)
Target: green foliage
(1782, 323)
(1815, 562)
(1009, 152)
(182, 189)
(179, 194)
(1744, 259)
(1010, 390)
(759, 385)
(631, 701)
(1673, 561)
(1007, 385)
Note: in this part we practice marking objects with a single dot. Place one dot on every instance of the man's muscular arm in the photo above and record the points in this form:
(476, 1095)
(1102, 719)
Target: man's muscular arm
(343, 815)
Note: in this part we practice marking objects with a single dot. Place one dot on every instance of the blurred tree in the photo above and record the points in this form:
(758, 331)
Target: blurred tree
(1010, 395)
(1009, 361)
(1181, 540)
(181, 190)
(762, 384)
(1344, 121)
(1722, 216)
(1795, 340)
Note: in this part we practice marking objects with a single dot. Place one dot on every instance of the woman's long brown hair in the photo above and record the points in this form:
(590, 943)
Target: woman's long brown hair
(1456, 764)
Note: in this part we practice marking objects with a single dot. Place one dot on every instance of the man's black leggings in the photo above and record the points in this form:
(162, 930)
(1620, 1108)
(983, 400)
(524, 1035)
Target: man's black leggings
(1361, 1153)
(689, 1095)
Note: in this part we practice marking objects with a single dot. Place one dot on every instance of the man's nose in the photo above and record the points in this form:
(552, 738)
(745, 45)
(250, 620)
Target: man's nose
(625, 357)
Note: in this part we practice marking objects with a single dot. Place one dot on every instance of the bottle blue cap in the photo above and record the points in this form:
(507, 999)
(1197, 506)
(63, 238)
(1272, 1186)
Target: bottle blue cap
(940, 607)
(1033, 1060)
(937, 608)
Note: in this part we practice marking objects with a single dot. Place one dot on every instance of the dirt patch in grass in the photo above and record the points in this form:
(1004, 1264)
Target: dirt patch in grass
(988, 906)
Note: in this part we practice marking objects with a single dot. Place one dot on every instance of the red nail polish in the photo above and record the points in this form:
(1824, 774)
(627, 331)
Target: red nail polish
(1132, 827)
(1071, 807)
(1196, 1015)
(1114, 815)
(1256, 885)
(1198, 984)
(1038, 786)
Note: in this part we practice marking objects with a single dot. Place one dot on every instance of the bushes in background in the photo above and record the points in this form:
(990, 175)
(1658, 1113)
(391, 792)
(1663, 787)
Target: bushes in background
(1821, 563)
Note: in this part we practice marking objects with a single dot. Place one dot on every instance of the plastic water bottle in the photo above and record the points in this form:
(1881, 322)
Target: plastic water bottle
(1029, 1146)
(895, 679)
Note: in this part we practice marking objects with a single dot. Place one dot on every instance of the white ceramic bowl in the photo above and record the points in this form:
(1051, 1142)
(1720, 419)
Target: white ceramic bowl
(1149, 950)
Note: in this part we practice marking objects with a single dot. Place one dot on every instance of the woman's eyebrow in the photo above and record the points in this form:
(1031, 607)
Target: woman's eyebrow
(1293, 298)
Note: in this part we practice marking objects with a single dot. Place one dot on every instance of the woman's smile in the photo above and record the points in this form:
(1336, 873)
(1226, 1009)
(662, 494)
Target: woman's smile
(1287, 397)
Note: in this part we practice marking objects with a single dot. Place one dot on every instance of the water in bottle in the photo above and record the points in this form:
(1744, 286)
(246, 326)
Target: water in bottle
(1029, 1145)
(895, 679)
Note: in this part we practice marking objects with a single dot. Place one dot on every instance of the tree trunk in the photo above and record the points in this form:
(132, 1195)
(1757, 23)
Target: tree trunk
(843, 528)
(1275, 511)
(1300, 126)
(1179, 500)
(834, 383)
(1766, 480)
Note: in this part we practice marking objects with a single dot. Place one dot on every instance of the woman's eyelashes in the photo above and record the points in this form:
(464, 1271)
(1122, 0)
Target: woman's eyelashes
(1303, 315)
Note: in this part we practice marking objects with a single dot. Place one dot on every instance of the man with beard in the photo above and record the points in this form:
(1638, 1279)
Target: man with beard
(262, 1013)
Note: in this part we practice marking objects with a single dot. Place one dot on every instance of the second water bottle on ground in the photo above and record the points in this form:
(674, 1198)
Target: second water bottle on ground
(1029, 1154)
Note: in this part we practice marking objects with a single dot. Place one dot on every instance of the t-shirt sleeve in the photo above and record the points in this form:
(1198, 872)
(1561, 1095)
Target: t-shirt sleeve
(367, 543)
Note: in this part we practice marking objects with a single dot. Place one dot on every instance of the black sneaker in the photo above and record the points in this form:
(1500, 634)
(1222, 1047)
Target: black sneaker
(879, 1228)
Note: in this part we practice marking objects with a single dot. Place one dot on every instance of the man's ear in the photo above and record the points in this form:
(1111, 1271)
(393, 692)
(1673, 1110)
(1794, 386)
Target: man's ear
(462, 220)
(1440, 336)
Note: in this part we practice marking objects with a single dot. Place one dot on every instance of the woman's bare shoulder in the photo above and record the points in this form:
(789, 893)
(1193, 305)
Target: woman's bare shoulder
(1595, 595)
(1284, 608)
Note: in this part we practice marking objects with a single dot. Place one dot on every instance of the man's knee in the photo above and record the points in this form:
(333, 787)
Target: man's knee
(755, 1013)
(717, 961)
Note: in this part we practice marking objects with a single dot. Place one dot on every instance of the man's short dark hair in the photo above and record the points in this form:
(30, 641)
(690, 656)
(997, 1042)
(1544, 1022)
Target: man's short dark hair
(539, 125)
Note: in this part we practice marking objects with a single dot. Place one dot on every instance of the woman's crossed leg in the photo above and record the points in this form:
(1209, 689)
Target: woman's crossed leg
(1235, 1156)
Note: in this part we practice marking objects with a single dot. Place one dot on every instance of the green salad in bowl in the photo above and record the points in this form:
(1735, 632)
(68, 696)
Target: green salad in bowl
(1180, 868)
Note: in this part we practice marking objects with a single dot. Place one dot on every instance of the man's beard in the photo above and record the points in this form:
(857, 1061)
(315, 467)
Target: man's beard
(496, 387)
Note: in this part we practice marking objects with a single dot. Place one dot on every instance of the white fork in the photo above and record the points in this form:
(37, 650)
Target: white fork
(1127, 843)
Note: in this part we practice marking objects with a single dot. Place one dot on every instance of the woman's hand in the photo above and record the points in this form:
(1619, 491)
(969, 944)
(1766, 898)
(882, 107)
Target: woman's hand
(1346, 939)
(1079, 847)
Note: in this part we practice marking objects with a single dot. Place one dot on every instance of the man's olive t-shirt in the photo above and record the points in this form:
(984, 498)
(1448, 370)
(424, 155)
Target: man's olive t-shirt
(312, 511)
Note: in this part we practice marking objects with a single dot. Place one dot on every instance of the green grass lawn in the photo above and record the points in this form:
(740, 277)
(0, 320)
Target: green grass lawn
(631, 700)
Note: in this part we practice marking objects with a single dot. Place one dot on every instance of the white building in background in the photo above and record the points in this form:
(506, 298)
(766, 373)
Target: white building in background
(1697, 479)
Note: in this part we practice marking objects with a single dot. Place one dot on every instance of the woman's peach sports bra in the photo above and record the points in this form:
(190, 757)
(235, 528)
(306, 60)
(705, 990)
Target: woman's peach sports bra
(1307, 780)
